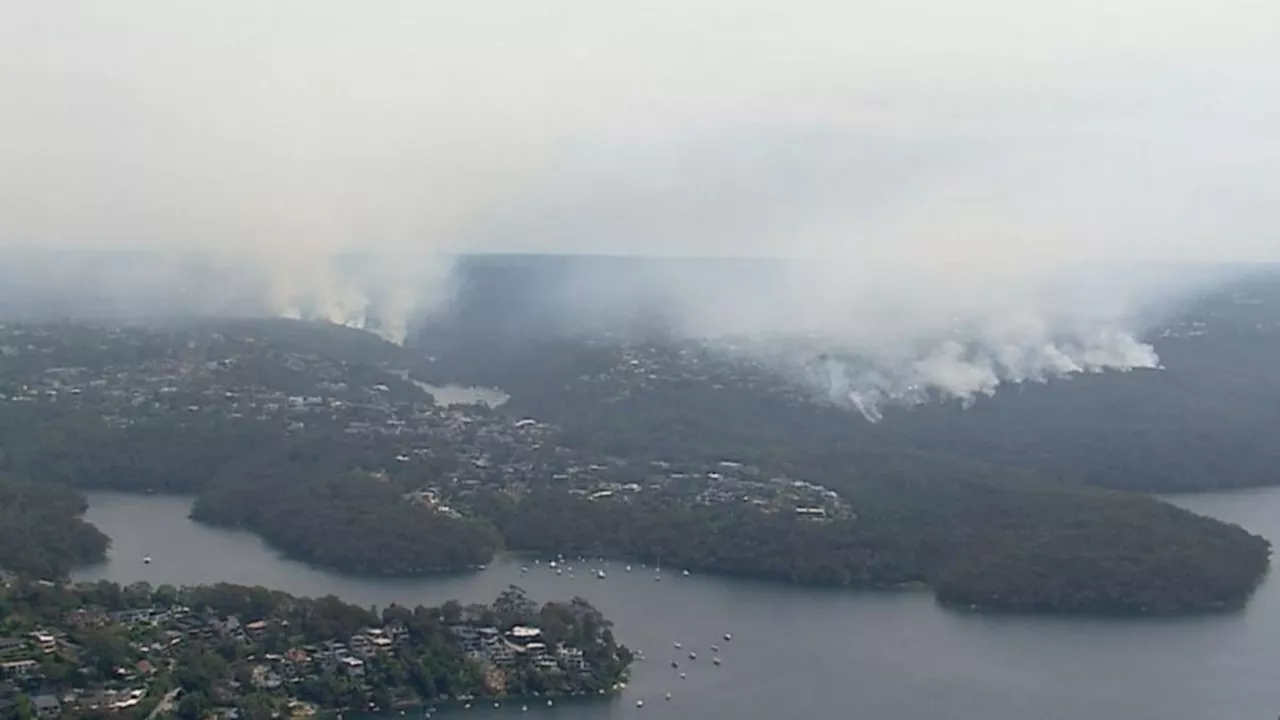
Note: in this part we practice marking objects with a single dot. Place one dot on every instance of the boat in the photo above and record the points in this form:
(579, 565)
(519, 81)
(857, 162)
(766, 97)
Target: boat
(600, 574)
(628, 568)
(550, 703)
(639, 703)
(685, 573)
(727, 637)
(675, 663)
(682, 676)
(715, 660)
(693, 655)
(715, 648)
(146, 560)
(524, 708)
(668, 696)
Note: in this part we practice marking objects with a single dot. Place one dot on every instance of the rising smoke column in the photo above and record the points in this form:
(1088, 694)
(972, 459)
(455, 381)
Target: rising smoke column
(940, 163)
(385, 294)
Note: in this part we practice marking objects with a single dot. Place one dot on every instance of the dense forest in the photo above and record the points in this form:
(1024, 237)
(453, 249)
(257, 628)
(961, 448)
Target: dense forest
(41, 529)
(968, 534)
(312, 500)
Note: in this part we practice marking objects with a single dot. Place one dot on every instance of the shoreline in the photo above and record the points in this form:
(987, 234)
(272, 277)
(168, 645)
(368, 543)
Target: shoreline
(1225, 608)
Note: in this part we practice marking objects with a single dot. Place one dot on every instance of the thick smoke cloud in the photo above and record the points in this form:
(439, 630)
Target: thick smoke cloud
(949, 180)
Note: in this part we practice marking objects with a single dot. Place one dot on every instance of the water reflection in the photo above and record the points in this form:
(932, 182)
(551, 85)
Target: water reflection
(797, 652)
(461, 395)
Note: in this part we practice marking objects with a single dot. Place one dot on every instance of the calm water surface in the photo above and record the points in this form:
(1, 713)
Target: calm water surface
(462, 395)
(801, 653)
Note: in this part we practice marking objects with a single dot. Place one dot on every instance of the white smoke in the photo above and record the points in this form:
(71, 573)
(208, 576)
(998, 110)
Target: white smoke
(873, 336)
(954, 174)
(383, 293)
(950, 369)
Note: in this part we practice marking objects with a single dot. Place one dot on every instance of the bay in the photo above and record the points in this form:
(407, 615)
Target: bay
(797, 652)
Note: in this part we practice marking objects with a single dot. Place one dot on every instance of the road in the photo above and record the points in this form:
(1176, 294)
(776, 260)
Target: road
(165, 705)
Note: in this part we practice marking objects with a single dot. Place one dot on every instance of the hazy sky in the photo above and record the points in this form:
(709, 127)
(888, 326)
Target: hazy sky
(988, 132)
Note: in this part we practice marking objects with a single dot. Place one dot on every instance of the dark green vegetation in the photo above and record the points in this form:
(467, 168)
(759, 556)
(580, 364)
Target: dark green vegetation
(41, 531)
(969, 534)
(313, 499)
(264, 652)
(313, 437)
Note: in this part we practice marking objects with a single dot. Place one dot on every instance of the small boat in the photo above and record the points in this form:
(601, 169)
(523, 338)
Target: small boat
(715, 660)
(676, 645)
(524, 708)
(467, 706)
(559, 571)
(668, 696)
(146, 560)
(524, 568)
(675, 663)
(685, 573)
(639, 703)
(600, 574)
(550, 703)
(693, 655)
(682, 676)
(715, 648)
(497, 704)
(551, 564)
(727, 637)
(628, 568)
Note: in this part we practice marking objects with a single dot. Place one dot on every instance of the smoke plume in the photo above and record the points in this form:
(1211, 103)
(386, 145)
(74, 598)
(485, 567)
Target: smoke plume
(954, 196)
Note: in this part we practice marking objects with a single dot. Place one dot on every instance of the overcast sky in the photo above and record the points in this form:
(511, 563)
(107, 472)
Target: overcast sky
(969, 131)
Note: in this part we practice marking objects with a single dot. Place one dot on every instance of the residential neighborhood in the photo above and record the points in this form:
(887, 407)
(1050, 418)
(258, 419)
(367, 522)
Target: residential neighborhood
(180, 648)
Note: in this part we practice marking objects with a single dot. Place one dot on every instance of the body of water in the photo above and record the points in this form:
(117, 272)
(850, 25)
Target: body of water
(461, 395)
(797, 652)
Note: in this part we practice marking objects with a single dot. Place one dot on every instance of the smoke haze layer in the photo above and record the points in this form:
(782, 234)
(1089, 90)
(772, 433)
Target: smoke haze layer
(965, 196)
